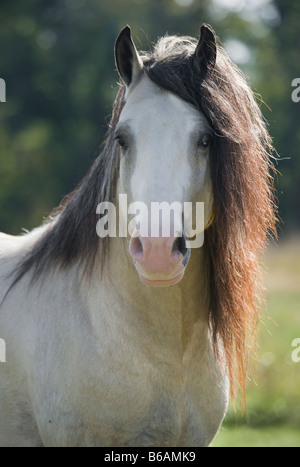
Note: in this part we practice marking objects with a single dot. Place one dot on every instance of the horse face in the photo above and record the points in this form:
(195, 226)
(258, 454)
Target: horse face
(164, 158)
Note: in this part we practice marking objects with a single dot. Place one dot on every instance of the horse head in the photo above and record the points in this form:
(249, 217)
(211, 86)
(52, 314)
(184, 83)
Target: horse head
(164, 146)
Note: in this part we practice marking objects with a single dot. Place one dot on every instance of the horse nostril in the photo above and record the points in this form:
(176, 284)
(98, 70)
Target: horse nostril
(136, 247)
(180, 245)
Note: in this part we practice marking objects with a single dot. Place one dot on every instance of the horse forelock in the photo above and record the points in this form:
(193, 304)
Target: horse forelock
(243, 190)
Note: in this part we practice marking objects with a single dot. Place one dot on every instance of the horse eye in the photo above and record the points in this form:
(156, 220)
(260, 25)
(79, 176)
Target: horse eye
(121, 142)
(204, 141)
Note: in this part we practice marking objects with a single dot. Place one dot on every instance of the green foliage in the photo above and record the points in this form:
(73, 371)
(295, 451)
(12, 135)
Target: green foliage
(57, 61)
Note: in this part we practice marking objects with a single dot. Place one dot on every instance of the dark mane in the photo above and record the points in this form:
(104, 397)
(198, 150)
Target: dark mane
(243, 195)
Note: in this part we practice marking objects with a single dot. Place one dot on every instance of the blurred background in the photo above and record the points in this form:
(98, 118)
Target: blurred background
(58, 65)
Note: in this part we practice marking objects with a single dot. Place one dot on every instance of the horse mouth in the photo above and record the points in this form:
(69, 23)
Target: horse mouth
(161, 282)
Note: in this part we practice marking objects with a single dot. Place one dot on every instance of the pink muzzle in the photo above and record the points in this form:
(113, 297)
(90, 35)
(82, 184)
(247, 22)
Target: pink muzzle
(160, 261)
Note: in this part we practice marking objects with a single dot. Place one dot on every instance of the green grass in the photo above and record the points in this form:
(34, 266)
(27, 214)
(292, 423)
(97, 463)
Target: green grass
(279, 436)
(273, 395)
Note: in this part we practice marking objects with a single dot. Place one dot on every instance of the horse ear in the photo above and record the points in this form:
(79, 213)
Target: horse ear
(206, 50)
(128, 61)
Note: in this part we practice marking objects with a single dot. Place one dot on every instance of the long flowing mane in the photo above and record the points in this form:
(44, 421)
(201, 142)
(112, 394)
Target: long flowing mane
(241, 172)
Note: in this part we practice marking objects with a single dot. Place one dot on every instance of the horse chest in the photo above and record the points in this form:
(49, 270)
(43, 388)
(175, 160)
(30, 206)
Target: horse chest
(141, 404)
(153, 412)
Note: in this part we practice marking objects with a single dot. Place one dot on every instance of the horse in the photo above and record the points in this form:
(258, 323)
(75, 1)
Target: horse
(136, 340)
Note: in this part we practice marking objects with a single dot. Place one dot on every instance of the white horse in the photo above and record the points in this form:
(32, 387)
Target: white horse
(96, 353)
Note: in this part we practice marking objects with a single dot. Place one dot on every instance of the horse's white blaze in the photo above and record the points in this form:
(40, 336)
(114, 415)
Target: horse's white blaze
(164, 165)
(162, 125)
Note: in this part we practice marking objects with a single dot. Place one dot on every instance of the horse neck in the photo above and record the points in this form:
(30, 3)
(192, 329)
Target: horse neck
(168, 313)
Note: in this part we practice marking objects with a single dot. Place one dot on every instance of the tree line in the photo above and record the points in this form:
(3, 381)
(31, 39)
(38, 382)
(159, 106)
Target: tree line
(58, 65)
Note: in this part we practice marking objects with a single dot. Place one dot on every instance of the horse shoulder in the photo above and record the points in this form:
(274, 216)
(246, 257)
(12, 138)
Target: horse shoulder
(12, 248)
(20, 428)
(12, 251)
